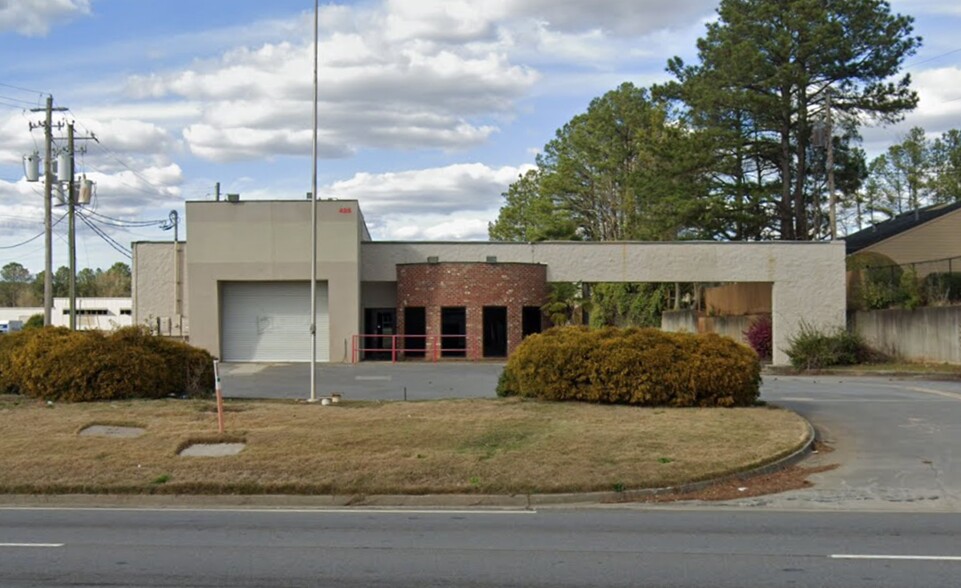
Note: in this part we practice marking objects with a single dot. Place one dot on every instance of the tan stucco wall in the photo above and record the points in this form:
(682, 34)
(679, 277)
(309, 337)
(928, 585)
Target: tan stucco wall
(378, 294)
(807, 278)
(270, 241)
(936, 239)
(152, 287)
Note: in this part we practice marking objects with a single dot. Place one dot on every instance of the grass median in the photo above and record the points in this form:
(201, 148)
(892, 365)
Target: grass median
(496, 446)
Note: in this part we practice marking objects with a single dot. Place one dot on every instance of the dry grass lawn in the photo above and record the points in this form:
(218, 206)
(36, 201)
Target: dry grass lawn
(460, 446)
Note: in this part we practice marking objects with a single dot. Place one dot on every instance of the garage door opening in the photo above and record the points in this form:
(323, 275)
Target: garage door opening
(453, 330)
(415, 332)
(495, 331)
(379, 333)
(530, 321)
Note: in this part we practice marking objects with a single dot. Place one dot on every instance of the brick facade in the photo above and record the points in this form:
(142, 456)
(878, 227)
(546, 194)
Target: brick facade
(472, 286)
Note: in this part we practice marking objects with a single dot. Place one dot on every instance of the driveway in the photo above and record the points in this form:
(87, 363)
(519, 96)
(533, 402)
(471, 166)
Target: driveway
(896, 442)
(362, 381)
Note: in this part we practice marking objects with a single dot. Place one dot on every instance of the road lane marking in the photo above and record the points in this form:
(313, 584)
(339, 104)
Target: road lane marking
(900, 557)
(942, 393)
(848, 400)
(344, 511)
(31, 544)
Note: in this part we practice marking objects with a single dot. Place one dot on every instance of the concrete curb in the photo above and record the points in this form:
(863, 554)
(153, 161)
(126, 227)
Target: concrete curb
(412, 501)
(863, 373)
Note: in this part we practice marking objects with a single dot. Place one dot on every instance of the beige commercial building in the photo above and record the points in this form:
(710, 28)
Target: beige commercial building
(240, 286)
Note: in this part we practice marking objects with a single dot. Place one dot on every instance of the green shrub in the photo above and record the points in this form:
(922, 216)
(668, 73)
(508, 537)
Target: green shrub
(644, 367)
(942, 288)
(874, 281)
(813, 349)
(57, 364)
(34, 322)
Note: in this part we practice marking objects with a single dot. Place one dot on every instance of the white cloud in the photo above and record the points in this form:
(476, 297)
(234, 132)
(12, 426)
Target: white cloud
(441, 20)
(375, 93)
(442, 190)
(617, 17)
(939, 109)
(455, 226)
(34, 18)
(934, 7)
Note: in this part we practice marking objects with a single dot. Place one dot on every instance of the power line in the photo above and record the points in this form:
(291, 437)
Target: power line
(119, 222)
(22, 89)
(107, 238)
(930, 59)
(115, 157)
(34, 238)
(12, 99)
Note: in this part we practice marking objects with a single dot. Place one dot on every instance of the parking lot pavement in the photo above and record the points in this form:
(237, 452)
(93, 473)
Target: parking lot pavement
(362, 381)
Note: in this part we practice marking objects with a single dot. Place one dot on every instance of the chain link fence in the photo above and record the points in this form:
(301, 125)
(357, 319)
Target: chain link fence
(935, 282)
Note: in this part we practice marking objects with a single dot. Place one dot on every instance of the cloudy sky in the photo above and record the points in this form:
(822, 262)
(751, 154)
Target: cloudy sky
(428, 108)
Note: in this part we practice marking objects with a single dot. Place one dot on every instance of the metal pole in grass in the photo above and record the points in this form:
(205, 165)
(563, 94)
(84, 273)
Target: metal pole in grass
(220, 398)
(313, 227)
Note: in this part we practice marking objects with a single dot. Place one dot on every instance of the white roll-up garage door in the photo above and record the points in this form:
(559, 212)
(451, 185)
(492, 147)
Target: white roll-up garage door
(269, 321)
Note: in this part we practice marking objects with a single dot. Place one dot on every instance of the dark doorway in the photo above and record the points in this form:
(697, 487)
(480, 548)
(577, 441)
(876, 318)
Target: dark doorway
(379, 328)
(415, 331)
(530, 321)
(453, 330)
(495, 331)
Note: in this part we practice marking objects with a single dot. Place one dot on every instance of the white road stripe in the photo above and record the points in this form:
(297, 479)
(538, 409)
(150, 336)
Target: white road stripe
(341, 511)
(900, 557)
(31, 544)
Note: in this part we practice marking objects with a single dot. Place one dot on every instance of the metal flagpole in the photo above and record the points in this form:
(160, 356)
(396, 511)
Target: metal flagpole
(313, 227)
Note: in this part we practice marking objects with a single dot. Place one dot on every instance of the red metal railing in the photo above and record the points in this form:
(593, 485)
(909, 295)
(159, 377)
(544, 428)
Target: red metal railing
(432, 346)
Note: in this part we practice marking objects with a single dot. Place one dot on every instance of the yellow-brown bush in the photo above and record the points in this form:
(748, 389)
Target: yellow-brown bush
(9, 343)
(189, 369)
(644, 367)
(57, 364)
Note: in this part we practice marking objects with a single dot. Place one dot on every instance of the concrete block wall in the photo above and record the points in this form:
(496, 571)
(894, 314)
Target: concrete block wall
(931, 334)
(472, 286)
(689, 321)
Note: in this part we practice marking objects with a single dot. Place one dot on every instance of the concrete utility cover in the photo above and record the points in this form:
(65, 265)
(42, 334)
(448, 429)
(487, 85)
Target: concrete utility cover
(212, 449)
(111, 431)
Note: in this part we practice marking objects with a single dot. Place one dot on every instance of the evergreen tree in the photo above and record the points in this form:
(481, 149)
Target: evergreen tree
(765, 72)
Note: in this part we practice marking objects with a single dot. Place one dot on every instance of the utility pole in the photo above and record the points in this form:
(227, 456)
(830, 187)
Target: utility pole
(47, 205)
(71, 226)
(832, 199)
(67, 175)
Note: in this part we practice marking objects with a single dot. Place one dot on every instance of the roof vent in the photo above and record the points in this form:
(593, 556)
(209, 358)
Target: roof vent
(233, 197)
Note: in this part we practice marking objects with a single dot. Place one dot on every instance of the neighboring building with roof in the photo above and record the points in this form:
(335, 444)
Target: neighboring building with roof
(240, 286)
(105, 314)
(927, 234)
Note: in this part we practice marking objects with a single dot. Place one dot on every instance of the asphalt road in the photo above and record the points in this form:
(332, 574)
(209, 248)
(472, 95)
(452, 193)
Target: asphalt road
(80, 548)
(362, 381)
